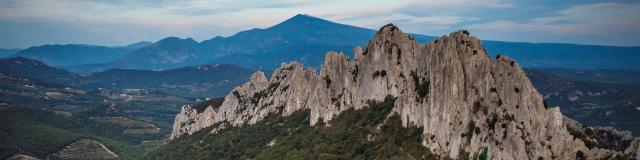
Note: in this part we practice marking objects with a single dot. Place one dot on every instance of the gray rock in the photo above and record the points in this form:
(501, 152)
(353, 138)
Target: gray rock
(464, 100)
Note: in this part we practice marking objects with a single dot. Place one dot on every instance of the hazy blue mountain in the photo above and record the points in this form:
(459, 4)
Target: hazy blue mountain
(7, 52)
(306, 39)
(136, 45)
(34, 70)
(76, 54)
(301, 38)
(300, 30)
(558, 55)
(171, 52)
(211, 80)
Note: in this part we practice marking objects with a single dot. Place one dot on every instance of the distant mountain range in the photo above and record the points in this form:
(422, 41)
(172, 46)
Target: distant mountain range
(301, 38)
(197, 81)
(305, 39)
(573, 56)
(167, 53)
(77, 54)
(7, 52)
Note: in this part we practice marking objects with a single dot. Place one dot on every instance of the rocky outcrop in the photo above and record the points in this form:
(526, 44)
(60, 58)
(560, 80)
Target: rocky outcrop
(464, 100)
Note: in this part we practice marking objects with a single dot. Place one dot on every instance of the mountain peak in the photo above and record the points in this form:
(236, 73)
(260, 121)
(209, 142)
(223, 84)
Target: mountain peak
(302, 20)
(176, 40)
(391, 33)
(388, 27)
(304, 16)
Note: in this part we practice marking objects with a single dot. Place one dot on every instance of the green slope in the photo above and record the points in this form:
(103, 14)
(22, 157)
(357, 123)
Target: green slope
(40, 132)
(355, 134)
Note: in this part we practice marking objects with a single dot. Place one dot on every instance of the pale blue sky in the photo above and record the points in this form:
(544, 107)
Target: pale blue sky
(25, 23)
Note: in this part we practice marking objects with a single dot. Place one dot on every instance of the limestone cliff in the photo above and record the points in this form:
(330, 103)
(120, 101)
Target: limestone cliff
(464, 100)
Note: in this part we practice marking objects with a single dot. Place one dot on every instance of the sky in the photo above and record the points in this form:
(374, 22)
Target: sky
(25, 23)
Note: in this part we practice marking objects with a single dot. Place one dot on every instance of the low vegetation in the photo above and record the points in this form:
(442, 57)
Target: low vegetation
(367, 133)
(41, 132)
(421, 87)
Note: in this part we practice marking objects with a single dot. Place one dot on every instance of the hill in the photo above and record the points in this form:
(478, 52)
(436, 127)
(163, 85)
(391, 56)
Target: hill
(40, 113)
(197, 81)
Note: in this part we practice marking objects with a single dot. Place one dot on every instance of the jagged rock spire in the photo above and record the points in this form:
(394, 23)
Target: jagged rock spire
(463, 100)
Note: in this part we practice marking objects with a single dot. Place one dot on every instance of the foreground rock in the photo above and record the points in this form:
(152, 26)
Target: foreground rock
(464, 100)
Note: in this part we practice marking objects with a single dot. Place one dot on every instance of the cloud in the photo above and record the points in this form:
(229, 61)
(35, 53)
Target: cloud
(599, 23)
(404, 19)
(418, 16)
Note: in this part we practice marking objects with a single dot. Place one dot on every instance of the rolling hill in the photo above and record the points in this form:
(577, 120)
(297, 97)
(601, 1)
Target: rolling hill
(197, 81)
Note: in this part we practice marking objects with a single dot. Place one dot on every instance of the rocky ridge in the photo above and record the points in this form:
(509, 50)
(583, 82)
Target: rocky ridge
(464, 100)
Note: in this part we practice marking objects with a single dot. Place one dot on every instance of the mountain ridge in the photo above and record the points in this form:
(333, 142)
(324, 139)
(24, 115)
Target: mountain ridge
(463, 100)
(76, 54)
(305, 38)
(4, 52)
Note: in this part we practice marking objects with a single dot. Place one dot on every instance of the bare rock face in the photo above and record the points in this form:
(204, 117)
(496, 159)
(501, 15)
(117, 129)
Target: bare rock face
(464, 100)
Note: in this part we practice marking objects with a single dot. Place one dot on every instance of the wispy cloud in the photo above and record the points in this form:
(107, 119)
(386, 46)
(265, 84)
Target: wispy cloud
(613, 22)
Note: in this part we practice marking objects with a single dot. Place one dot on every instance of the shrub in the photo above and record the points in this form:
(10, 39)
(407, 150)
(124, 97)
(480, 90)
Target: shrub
(421, 88)
(215, 103)
(367, 133)
(484, 155)
(327, 81)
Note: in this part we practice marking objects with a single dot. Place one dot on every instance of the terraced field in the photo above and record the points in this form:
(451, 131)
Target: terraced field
(85, 149)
